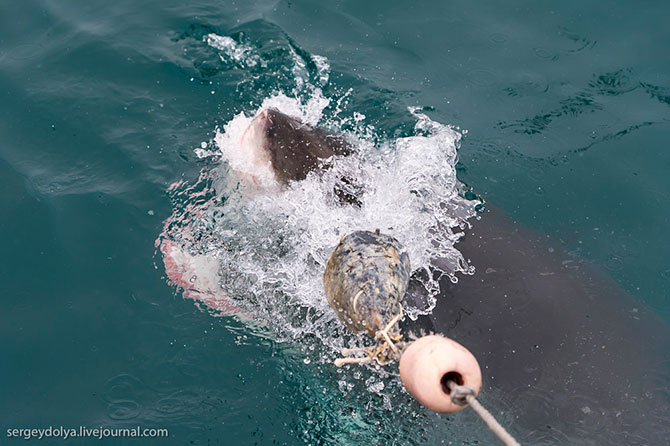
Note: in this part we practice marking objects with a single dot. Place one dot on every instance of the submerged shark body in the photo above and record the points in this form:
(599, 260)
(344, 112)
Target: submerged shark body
(567, 356)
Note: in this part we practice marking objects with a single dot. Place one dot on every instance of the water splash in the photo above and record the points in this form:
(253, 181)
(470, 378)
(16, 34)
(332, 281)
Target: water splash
(271, 243)
(236, 52)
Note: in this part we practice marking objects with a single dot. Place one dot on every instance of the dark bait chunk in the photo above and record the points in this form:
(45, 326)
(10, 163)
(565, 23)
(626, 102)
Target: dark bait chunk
(365, 282)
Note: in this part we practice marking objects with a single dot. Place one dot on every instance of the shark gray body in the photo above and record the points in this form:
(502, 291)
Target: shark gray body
(566, 354)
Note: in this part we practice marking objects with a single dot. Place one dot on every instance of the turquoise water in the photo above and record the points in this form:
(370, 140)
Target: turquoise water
(567, 111)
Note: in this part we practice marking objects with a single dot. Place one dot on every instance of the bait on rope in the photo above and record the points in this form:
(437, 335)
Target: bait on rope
(365, 282)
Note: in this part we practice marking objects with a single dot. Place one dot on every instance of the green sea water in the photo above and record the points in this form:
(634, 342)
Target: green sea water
(567, 112)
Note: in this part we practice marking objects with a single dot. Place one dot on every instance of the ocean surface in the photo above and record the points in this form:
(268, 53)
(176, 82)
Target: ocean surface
(113, 129)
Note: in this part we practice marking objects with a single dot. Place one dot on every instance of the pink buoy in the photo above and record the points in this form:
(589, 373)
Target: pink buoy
(427, 365)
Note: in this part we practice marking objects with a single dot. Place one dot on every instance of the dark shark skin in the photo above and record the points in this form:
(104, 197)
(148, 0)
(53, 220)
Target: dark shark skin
(566, 354)
(295, 148)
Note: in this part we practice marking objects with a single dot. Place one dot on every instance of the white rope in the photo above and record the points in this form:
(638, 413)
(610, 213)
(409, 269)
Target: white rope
(465, 395)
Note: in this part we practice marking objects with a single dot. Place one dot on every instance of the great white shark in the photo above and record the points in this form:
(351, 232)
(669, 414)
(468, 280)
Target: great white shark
(568, 357)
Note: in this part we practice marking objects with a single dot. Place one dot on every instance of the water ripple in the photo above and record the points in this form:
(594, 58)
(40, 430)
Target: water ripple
(498, 38)
(545, 53)
(614, 83)
(180, 402)
(123, 410)
(122, 386)
(581, 43)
